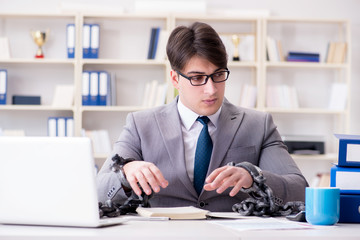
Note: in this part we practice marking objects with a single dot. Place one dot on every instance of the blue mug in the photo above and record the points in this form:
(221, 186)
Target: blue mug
(322, 205)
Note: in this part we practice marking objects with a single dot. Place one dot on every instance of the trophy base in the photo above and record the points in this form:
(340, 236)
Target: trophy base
(39, 56)
(236, 58)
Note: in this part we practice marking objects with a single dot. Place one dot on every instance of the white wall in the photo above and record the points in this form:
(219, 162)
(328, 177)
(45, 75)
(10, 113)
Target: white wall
(342, 9)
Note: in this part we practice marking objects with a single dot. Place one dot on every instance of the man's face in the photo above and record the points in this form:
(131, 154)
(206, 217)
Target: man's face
(203, 100)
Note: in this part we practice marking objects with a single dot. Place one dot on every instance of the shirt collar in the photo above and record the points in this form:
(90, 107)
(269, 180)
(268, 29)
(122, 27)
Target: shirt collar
(188, 117)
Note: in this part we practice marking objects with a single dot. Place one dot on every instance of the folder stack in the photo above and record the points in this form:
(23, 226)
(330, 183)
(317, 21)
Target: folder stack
(98, 89)
(346, 176)
(90, 40)
(60, 127)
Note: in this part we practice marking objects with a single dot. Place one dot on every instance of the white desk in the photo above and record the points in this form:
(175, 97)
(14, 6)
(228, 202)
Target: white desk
(181, 229)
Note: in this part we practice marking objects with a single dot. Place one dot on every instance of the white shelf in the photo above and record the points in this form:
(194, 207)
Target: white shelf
(305, 111)
(123, 62)
(112, 108)
(37, 61)
(318, 157)
(304, 65)
(34, 108)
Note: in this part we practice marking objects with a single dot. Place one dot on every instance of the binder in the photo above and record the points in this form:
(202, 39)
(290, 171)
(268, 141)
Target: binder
(103, 88)
(151, 44)
(349, 150)
(61, 127)
(156, 40)
(94, 88)
(69, 121)
(3, 86)
(345, 178)
(52, 127)
(86, 88)
(94, 41)
(349, 208)
(86, 41)
(70, 40)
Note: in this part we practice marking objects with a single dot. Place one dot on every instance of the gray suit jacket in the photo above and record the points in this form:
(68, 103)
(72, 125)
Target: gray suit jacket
(242, 135)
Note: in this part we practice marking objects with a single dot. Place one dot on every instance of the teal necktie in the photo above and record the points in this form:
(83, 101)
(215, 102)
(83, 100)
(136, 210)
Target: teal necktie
(202, 155)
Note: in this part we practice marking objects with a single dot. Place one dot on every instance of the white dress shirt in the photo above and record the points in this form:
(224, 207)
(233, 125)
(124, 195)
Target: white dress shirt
(191, 130)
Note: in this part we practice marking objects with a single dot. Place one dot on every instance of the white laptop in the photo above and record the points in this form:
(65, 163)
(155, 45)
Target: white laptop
(49, 181)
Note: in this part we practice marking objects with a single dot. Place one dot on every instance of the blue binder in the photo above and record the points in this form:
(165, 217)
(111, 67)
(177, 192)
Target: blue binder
(86, 88)
(86, 40)
(3, 86)
(52, 126)
(345, 178)
(103, 88)
(69, 126)
(94, 40)
(349, 208)
(70, 40)
(349, 150)
(94, 88)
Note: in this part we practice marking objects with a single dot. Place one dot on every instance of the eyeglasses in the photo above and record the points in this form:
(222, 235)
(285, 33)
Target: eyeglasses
(216, 77)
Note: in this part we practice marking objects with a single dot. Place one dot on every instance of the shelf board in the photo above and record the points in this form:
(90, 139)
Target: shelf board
(304, 110)
(112, 108)
(242, 64)
(38, 61)
(316, 157)
(305, 65)
(123, 62)
(34, 108)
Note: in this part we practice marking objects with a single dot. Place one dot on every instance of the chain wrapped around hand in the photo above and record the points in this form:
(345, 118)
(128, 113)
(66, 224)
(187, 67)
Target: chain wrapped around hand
(112, 208)
(262, 200)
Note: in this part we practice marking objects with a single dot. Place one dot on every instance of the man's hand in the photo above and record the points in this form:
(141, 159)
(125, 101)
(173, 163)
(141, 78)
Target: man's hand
(228, 176)
(146, 174)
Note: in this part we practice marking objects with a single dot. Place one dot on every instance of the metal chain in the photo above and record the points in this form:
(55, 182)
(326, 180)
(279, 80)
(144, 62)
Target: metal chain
(263, 202)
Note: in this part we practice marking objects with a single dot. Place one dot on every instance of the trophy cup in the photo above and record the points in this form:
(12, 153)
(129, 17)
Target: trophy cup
(236, 40)
(39, 38)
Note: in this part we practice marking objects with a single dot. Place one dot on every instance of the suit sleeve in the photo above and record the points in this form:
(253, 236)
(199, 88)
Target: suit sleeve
(280, 170)
(127, 146)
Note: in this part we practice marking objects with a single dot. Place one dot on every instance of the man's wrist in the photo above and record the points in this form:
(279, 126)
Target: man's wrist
(254, 171)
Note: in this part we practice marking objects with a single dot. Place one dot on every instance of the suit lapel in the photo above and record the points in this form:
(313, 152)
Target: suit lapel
(229, 122)
(169, 124)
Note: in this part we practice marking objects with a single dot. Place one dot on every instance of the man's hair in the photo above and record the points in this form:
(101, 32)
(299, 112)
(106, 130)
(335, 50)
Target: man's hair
(200, 39)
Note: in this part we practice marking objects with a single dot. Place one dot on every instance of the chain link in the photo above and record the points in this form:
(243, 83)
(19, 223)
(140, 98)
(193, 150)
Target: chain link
(263, 202)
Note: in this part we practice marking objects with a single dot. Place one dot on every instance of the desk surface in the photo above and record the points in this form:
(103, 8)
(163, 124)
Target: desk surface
(175, 229)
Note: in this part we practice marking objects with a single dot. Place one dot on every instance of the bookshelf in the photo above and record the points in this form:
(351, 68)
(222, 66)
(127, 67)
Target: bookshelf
(124, 42)
(312, 81)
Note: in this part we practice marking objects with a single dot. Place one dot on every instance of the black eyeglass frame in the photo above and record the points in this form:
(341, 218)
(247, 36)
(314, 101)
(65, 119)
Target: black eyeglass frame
(207, 77)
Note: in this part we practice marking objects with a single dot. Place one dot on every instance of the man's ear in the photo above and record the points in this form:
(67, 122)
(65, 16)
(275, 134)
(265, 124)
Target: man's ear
(174, 79)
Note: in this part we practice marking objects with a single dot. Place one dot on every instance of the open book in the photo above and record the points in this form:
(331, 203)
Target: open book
(173, 212)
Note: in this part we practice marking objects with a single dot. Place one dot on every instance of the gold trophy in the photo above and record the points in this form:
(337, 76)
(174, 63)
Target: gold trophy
(236, 40)
(40, 39)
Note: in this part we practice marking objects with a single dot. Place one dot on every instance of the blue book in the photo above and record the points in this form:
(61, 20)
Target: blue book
(86, 88)
(349, 150)
(349, 208)
(86, 41)
(70, 40)
(345, 178)
(52, 126)
(94, 40)
(292, 58)
(3, 86)
(94, 88)
(305, 54)
(103, 88)
(151, 44)
(69, 126)
(155, 43)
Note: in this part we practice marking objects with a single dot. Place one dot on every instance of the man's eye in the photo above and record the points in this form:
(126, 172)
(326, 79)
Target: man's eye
(219, 74)
(197, 78)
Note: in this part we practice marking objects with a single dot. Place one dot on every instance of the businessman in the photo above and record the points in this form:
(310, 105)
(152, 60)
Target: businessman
(200, 149)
